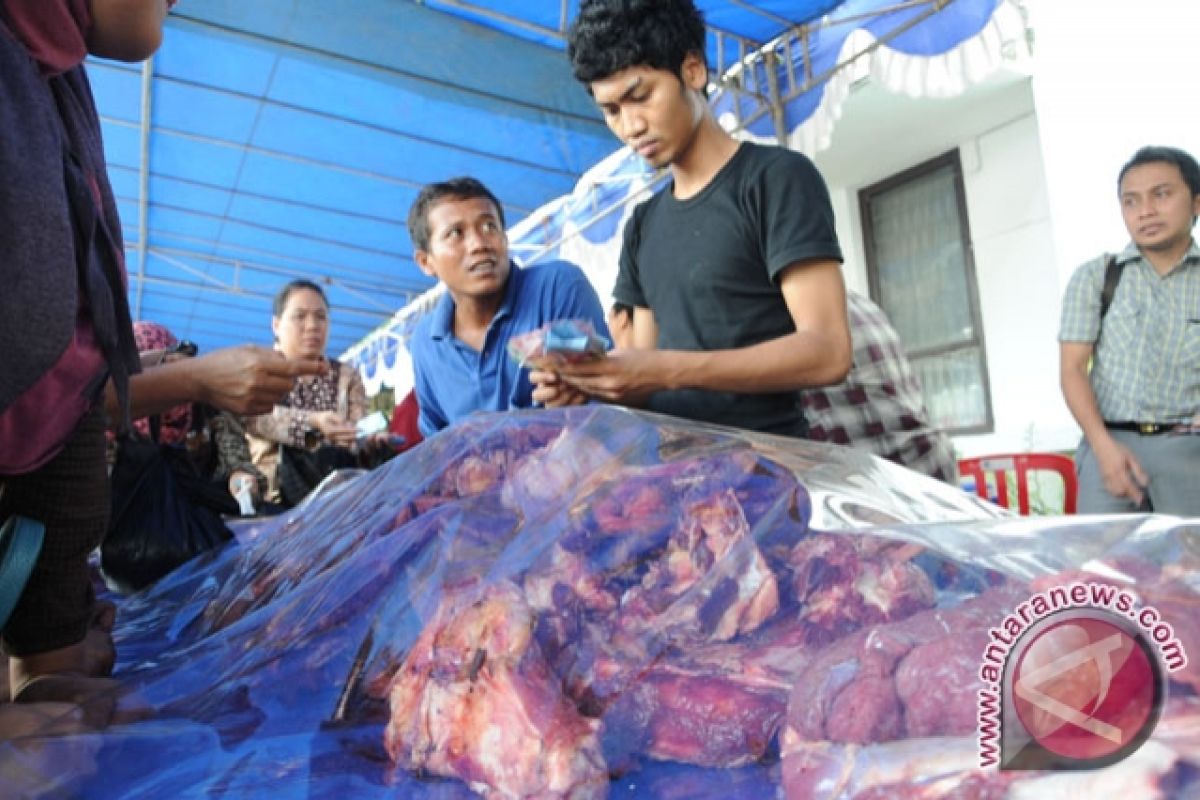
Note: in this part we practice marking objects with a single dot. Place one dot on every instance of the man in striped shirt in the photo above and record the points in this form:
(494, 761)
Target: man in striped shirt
(1138, 403)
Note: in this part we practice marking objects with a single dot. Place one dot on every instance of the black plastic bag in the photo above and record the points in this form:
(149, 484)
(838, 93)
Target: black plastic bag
(300, 470)
(164, 513)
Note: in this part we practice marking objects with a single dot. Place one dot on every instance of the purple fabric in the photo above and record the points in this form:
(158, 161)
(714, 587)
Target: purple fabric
(54, 32)
(37, 423)
(61, 255)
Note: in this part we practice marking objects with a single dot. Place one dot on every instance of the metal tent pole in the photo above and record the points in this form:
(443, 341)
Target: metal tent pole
(144, 184)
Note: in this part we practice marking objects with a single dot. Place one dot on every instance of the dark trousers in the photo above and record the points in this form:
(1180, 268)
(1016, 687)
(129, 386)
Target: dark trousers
(70, 496)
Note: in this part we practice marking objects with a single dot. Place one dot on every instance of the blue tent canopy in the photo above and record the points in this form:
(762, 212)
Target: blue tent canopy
(287, 138)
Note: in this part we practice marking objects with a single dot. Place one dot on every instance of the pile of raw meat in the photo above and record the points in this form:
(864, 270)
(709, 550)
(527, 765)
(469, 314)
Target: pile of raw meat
(598, 603)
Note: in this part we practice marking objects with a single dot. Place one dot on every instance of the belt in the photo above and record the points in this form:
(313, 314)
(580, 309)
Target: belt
(1143, 428)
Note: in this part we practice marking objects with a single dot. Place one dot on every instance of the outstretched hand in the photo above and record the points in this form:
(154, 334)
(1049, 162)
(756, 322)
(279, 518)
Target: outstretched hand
(248, 379)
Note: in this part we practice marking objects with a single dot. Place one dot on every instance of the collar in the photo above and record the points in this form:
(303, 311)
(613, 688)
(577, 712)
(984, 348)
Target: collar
(442, 317)
(1132, 253)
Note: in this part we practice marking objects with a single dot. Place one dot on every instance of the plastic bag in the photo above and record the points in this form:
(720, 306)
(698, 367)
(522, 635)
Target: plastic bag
(655, 592)
(163, 514)
(570, 339)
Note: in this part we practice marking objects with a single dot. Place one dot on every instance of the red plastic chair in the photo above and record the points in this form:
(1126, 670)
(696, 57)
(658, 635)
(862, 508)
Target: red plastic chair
(1022, 464)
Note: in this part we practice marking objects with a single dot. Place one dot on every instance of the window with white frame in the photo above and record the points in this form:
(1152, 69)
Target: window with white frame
(921, 272)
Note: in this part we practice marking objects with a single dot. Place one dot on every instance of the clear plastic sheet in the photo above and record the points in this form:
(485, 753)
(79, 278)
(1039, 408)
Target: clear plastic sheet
(589, 602)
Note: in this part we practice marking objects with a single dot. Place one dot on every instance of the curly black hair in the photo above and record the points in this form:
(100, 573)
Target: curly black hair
(464, 188)
(611, 35)
(1184, 161)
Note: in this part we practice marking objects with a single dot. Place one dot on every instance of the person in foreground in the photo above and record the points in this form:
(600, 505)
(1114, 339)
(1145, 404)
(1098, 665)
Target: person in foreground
(65, 334)
(1130, 367)
(879, 406)
(733, 269)
(459, 350)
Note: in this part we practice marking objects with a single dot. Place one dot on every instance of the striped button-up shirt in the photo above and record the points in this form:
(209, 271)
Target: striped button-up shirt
(1146, 364)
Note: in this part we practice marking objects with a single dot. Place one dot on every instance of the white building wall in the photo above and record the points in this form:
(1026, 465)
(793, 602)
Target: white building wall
(1015, 268)
(1109, 77)
(849, 231)
(1013, 239)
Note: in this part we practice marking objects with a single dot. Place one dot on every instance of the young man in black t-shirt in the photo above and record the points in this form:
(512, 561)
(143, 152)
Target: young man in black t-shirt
(733, 270)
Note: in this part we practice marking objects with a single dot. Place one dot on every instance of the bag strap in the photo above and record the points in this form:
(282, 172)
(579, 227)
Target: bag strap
(20, 543)
(1112, 276)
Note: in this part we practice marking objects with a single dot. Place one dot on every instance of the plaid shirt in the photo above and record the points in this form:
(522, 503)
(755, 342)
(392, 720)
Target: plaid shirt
(1146, 365)
(879, 407)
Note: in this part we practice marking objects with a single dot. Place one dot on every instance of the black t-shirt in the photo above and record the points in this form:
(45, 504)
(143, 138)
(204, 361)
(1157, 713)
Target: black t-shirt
(708, 267)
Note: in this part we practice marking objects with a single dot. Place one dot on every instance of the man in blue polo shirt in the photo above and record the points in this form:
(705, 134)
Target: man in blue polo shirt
(459, 350)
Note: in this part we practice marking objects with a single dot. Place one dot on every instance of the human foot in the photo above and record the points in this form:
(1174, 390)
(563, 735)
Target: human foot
(95, 699)
(18, 720)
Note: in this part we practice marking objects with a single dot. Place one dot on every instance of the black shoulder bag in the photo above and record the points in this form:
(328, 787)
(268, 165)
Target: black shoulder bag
(1112, 276)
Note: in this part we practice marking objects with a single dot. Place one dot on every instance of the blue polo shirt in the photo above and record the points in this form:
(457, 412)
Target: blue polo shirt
(453, 380)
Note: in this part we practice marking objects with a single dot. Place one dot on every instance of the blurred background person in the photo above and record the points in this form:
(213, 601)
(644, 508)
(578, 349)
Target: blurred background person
(215, 440)
(314, 427)
(879, 406)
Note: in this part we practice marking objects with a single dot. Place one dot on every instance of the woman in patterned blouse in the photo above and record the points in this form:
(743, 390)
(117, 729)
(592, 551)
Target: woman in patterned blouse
(320, 409)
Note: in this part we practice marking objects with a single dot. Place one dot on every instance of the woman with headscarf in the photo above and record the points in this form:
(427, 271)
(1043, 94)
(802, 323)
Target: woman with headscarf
(66, 335)
(64, 328)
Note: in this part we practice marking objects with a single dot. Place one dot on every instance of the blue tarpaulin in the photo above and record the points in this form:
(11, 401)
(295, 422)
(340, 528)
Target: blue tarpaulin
(642, 606)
